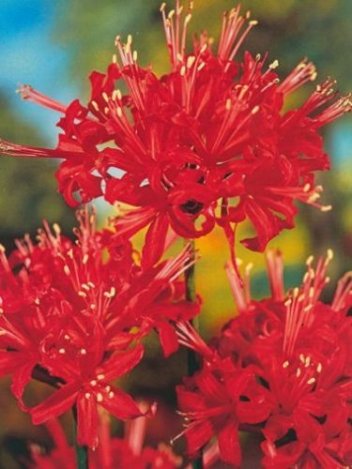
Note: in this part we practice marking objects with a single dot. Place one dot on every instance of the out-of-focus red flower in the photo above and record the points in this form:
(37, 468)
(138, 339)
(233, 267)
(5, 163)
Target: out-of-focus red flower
(74, 314)
(112, 453)
(292, 353)
(209, 142)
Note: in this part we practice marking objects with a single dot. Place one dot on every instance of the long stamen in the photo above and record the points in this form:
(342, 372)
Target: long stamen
(189, 337)
(305, 71)
(275, 274)
(231, 27)
(175, 33)
(13, 149)
(28, 93)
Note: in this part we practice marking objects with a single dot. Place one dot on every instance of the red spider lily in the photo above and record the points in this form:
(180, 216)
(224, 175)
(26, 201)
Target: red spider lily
(215, 402)
(298, 353)
(111, 453)
(207, 143)
(73, 315)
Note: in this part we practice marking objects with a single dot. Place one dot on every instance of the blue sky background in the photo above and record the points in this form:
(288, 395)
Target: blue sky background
(30, 56)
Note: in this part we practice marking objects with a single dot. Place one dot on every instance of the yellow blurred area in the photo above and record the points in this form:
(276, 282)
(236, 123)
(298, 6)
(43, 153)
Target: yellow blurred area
(212, 283)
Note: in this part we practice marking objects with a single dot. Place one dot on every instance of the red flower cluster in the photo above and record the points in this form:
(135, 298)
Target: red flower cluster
(283, 367)
(73, 315)
(117, 453)
(207, 143)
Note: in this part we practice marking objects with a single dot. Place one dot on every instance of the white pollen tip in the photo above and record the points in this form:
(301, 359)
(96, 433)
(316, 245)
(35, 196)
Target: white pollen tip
(326, 208)
(203, 48)
(190, 61)
(253, 23)
(188, 18)
(313, 76)
(57, 229)
(255, 110)
(274, 64)
(309, 260)
(329, 254)
(95, 105)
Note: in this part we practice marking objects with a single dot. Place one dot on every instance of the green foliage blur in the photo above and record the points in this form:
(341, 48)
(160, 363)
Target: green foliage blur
(28, 191)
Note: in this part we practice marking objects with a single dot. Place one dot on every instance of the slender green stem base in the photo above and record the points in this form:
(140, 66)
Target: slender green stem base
(82, 456)
(192, 359)
(81, 451)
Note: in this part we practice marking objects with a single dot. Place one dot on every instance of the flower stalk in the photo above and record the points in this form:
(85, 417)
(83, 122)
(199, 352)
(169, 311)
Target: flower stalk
(190, 295)
(192, 358)
(81, 450)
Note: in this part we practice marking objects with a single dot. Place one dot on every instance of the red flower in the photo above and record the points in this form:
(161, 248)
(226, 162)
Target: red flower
(74, 313)
(111, 453)
(217, 400)
(298, 353)
(206, 143)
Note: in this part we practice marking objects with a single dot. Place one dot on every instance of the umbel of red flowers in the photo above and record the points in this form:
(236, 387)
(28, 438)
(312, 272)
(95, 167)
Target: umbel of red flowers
(76, 320)
(282, 367)
(208, 143)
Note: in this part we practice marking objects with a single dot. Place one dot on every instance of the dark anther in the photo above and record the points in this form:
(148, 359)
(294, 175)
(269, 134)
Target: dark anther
(191, 165)
(192, 206)
(322, 419)
(287, 438)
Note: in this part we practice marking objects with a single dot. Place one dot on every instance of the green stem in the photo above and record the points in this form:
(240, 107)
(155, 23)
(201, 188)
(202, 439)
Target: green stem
(81, 451)
(192, 359)
(82, 456)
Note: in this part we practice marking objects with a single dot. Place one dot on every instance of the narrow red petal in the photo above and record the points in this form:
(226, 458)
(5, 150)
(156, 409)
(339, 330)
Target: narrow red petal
(58, 403)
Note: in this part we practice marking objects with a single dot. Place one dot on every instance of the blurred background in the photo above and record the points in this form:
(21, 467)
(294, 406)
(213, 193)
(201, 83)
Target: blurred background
(53, 46)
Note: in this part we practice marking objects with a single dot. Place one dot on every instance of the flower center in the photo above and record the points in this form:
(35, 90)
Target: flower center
(192, 206)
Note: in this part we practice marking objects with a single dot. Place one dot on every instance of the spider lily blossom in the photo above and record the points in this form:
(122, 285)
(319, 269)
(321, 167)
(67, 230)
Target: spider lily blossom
(287, 361)
(207, 143)
(73, 315)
